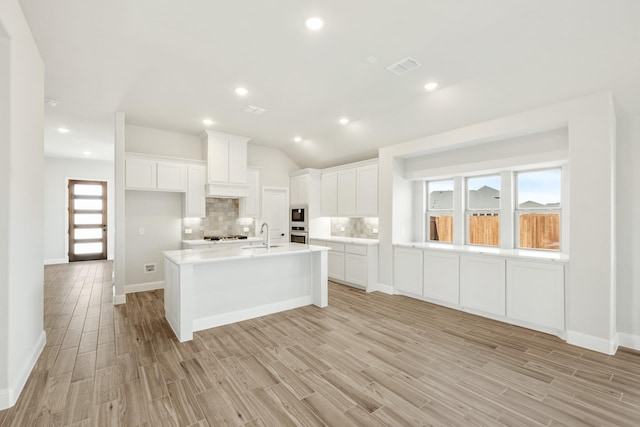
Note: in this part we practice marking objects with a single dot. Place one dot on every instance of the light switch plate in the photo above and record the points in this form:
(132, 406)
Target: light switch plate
(188, 231)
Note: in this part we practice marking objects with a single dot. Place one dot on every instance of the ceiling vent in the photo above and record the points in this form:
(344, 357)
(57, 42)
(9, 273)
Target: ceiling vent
(254, 110)
(403, 66)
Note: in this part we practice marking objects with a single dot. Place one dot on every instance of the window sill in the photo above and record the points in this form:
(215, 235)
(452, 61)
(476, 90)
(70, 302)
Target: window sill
(486, 250)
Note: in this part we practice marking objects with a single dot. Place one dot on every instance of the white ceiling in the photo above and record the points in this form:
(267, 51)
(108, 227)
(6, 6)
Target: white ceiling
(168, 64)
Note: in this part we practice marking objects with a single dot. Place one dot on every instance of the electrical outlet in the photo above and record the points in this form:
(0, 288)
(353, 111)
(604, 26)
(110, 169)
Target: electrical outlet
(341, 228)
(141, 231)
(245, 229)
(375, 230)
(188, 231)
(150, 268)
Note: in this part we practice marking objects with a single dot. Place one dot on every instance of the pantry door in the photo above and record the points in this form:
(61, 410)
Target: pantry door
(87, 220)
(275, 212)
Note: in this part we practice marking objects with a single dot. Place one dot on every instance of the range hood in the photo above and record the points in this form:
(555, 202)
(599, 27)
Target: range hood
(227, 191)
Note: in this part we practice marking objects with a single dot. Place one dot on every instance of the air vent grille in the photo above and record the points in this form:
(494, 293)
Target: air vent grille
(403, 66)
(254, 110)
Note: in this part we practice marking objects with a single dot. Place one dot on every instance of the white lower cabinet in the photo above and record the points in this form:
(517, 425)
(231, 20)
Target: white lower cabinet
(442, 276)
(407, 272)
(355, 269)
(336, 265)
(535, 293)
(482, 283)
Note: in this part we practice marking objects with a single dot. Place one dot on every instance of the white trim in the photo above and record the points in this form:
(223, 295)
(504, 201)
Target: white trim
(9, 396)
(56, 261)
(385, 289)
(143, 287)
(601, 345)
(629, 341)
(250, 313)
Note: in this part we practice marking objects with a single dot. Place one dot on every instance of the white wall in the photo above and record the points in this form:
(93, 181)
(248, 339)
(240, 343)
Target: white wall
(591, 302)
(21, 202)
(57, 172)
(163, 143)
(275, 165)
(160, 214)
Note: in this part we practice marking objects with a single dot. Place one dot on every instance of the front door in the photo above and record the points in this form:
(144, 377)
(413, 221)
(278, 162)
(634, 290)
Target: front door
(87, 220)
(275, 212)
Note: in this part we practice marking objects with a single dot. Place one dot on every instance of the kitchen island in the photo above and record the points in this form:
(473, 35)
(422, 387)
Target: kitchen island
(205, 288)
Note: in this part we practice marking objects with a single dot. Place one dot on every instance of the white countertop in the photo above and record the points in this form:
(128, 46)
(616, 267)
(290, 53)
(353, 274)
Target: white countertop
(485, 250)
(352, 240)
(221, 242)
(195, 256)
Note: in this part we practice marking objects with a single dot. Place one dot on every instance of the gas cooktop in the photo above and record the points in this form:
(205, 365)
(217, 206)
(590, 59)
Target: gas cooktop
(228, 237)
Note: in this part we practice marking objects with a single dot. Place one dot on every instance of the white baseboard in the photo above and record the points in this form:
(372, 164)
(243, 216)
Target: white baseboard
(629, 341)
(9, 396)
(385, 289)
(56, 261)
(250, 313)
(601, 345)
(143, 287)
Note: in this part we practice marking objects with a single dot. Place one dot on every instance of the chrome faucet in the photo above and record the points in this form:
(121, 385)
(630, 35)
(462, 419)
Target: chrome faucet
(267, 239)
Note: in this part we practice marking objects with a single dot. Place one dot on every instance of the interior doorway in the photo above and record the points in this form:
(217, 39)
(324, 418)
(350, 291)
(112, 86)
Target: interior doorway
(275, 212)
(87, 220)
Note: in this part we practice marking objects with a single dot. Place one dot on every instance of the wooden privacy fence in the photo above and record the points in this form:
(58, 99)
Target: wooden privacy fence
(537, 230)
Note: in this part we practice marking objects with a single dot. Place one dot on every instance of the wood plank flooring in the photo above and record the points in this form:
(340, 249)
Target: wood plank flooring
(367, 359)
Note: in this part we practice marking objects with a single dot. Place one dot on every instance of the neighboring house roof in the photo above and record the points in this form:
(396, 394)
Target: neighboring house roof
(483, 198)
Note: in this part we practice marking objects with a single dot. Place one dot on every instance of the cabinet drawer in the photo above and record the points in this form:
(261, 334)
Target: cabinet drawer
(337, 247)
(355, 249)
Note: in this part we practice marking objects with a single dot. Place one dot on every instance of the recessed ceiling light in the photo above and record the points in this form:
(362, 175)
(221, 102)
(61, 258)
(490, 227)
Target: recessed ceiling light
(63, 130)
(431, 86)
(344, 121)
(314, 23)
(297, 139)
(240, 91)
(86, 153)
(207, 122)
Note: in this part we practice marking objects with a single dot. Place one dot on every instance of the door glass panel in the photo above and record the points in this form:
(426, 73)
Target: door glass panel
(87, 248)
(87, 204)
(88, 218)
(88, 233)
(87, 190)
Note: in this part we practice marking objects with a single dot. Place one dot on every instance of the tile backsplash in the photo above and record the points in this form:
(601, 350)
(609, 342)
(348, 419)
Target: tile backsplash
(365, 228)
(222, 219)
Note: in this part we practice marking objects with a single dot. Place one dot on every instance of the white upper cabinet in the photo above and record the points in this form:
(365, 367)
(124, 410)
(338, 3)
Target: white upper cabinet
(140, 174)
(350, 191)
(329, 194)
(250, 205)
(347, 192)
(367, 190)
(299, 192)
(226, 158)
(194, 201)
(171, 177)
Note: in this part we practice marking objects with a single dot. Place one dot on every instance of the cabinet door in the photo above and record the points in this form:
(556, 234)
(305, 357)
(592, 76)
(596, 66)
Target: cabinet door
(171, 176)
(250, 205)
(140, 174)
(355, 269)
(347, 192)
(407, 270)
(535, 293)
(367, 190)
(299, 192)
(329, 196)
(218, 159)
(482, 284)
(336, 265)
(195, 202)
(442, 276)
(238, 162)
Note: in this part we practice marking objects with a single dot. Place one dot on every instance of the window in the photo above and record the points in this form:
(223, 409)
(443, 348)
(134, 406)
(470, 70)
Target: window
(440, 211)
(483, 210)
(538, 210)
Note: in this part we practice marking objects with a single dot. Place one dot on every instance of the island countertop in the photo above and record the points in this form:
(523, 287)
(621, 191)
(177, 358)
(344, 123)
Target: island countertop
(196, 256)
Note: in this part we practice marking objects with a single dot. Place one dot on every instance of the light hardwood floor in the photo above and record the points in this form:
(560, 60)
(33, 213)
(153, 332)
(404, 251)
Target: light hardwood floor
(367, 359)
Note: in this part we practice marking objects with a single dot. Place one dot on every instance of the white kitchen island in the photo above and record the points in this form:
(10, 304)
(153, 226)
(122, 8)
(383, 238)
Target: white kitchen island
(205, 288)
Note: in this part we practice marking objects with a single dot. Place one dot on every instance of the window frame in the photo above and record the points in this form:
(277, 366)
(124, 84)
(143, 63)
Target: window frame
(517, 210)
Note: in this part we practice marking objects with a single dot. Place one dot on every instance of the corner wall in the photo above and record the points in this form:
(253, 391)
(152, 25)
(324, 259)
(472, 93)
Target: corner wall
(21, 202)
